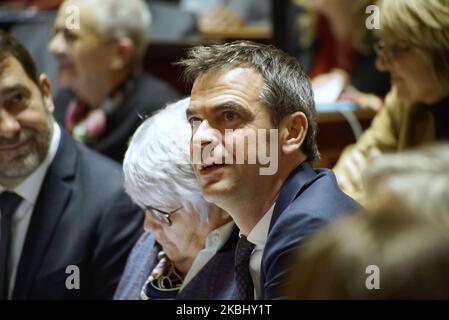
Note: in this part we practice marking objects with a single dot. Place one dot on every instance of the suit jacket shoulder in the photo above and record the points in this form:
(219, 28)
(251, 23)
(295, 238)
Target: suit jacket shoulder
(308, 200)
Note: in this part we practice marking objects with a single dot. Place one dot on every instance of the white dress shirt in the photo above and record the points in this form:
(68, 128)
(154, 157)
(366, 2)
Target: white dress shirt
(258, 236)
(215, 241)
(29, 191)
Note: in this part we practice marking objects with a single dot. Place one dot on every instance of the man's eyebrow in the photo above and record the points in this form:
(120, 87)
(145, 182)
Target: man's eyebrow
(227, 105)
(231, 105)
(14, 88)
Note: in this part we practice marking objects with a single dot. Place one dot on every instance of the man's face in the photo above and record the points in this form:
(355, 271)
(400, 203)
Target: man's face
(25, 122)
(228, 99)
(84, 55)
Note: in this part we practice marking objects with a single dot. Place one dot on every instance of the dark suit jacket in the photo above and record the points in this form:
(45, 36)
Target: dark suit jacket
(147, 95)
(214, 281)
(308, 200)
(82, 217)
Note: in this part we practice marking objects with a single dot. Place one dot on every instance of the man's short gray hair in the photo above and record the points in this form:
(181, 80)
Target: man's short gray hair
(157, 164)
(117, 19)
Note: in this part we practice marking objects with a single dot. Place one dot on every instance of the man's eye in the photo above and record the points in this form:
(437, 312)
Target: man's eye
(230, 116)
(17, 99)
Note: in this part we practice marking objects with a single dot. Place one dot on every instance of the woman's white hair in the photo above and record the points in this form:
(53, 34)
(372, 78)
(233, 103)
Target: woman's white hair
(117, 19)
(157, 164)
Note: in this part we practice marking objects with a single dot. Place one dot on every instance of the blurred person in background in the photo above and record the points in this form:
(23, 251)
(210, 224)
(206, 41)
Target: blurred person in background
(408, 253)
(334, 45)
(227, 15)
(32, 4)
(188, 249)
(414, 49)
(409, 177)
(404, 233)
(100, 67)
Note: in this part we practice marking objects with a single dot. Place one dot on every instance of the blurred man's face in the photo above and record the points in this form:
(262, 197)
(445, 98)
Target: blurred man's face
(25, 121)
(83, 54)
(226, 108)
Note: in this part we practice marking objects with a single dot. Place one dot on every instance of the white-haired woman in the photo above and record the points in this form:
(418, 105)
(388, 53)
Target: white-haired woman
(100, 47)
(188, 250)
(414, 49)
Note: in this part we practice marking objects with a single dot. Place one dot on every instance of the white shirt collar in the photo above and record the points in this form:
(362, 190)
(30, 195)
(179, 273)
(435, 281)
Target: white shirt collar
(259, 234)
(215, 240)
(30, 187)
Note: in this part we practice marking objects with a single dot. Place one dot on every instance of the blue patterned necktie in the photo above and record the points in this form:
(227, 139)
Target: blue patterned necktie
(244, 282)
(8, 205)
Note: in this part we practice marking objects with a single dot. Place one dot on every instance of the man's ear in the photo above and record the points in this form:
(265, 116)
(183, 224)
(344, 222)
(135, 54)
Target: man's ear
(293, 130)
(124, 52)
(46, 93)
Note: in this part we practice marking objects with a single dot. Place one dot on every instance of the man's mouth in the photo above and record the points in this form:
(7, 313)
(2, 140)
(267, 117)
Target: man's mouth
(205, 168)
(12, 146)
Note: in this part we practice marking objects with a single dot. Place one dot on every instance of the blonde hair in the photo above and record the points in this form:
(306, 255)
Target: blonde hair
(423, 24)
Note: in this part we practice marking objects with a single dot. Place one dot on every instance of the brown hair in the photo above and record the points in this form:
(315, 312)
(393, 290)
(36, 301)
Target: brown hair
(11, 47)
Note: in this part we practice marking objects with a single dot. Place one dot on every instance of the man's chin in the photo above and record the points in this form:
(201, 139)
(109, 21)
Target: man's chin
(215, 192)
(21, 167)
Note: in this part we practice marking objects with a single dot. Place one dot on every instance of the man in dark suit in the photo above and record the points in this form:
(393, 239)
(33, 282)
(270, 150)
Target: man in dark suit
(66, 224)
(253, 119)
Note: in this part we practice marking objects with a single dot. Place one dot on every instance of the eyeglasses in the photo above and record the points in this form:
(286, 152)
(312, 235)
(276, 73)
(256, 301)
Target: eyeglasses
(70, 37)
(160, 215)
(388, 53)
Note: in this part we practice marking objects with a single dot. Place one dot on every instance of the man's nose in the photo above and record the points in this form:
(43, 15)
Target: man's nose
(205, 134)
(9, 126)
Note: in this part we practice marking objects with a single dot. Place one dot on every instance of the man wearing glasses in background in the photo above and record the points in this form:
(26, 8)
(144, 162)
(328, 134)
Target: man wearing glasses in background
(100, 68)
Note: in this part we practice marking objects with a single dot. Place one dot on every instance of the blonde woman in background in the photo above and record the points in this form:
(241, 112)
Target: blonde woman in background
(415, 51)
(335, 45)
(404, 233)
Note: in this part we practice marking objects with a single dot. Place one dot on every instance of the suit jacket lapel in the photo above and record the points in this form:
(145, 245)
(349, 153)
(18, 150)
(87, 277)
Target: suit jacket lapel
(292, 187)
(51, 203)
